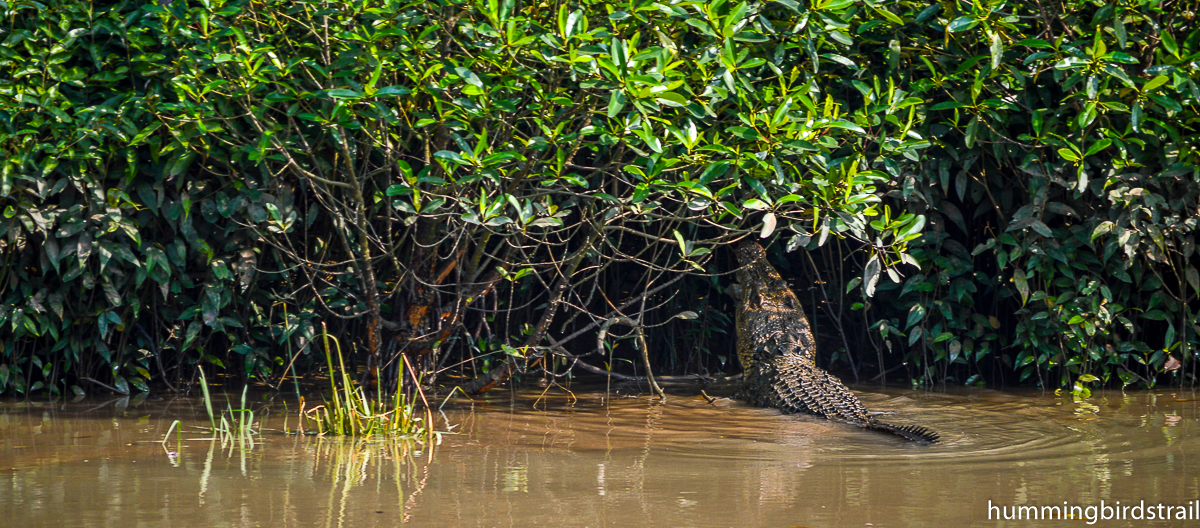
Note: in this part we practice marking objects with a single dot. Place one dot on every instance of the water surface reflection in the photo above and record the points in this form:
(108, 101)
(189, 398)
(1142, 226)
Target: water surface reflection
(563, 459)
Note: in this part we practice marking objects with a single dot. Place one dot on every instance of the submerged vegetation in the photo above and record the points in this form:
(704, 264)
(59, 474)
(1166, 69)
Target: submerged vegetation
(232, 424)
(232, 428)
(465, 191)
(348, 411)
(351, 411)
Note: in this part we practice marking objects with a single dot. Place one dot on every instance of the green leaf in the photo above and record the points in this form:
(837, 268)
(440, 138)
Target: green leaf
(1166, 102)
(1155, 83)
(1121, 57)
(616, 102)
(1119, 31)
(140, 384)
(915, 335)
(927, 13)
(801, 240)
(193, 330)
(972, 132)
(618, 53)
(911, 229)
(343, 93)
(450, 156)
(997, 50)
(398, 190)
(671, 99)
(701, 25)
(944, 336)
(682, 243)
(734, 18)
(1168, 42)
(1098, 47)
(790, 4)
(615, 15)
(640, 192)
(392, 91)
(963, 23)
(1098, 146)
(842, 123)
(947, 105)
(755, 204)
(915, 315)
(180, 166)
(1114, 71)
(1088, 115)
(871, 276)
(141, 136)
(1155, 315)
(468, 76)
(1041, 228)
(1022, 283)
(889, 15)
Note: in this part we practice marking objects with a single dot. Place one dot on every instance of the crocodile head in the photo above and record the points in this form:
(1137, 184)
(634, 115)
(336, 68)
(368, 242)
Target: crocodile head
(759, 285)
(767, 310)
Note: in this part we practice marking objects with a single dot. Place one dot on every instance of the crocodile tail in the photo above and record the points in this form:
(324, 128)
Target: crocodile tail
(833, 400)
(806, 388)
(915, 433)
(803, 387)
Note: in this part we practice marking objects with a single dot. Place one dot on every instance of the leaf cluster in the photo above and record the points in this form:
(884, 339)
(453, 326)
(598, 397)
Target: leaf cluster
(192, 182)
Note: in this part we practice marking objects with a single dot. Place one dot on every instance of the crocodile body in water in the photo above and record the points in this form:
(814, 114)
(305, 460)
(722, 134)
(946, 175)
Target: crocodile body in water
(778, 354)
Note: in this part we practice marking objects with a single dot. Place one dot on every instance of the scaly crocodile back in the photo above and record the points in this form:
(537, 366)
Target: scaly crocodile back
(768, 313)
(777, 352)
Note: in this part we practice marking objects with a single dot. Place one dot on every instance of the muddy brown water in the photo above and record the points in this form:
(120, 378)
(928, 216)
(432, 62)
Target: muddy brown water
(584, 459)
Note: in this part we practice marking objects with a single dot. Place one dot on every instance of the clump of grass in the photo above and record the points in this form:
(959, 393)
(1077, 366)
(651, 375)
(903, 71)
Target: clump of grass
(233, 425)
(352, 412)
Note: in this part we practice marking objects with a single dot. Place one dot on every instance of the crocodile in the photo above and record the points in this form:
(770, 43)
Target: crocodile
(777, 351)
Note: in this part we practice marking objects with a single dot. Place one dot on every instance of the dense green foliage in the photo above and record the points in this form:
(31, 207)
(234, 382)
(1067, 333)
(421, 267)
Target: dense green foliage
(494, 180)
(1064, 195)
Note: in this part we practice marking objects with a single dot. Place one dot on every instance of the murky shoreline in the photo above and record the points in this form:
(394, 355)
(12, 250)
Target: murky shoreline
(580, 459)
